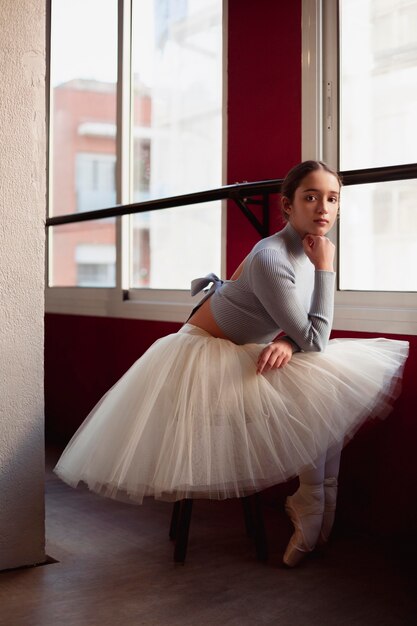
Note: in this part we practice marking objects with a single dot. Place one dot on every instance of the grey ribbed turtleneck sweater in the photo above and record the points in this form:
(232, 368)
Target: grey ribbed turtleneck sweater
(277, 290)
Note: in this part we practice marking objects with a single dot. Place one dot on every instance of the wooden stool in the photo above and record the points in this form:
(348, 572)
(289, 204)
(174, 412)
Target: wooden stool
(181, 519)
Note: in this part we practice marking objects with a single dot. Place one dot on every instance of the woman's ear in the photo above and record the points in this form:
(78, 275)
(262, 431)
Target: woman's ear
(286, 206)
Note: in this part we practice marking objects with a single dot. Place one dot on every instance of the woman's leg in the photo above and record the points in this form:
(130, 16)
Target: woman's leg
(331, 473)
(305, 509)
(332, 463)
(312, 508)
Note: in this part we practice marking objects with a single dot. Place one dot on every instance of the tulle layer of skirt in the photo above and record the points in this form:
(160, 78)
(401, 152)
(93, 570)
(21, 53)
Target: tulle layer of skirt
(191, 418)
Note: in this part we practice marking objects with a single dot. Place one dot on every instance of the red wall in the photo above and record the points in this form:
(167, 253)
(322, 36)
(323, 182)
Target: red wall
(264, 104)
(379, 466)
(86, 355)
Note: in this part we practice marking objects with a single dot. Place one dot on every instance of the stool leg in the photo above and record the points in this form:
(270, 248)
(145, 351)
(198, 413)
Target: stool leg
(247, 513)
(174, 520)
(259, 529)
(255, 525)
(182, 530)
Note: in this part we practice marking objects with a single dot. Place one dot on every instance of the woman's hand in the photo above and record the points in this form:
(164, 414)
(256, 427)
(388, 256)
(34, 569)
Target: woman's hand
(320, 251)
(274, 355)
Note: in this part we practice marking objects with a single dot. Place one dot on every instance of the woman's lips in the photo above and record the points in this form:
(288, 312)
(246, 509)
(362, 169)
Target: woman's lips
(321, 222)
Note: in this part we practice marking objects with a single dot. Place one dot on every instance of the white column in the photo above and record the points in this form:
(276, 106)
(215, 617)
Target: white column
(22, 235)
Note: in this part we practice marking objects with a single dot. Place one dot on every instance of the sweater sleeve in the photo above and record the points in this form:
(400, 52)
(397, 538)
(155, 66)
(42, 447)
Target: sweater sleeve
(273, 283)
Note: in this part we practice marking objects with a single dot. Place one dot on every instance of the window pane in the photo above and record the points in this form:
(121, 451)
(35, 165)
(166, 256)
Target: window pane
(83, 254)
(378, 86)
(83, 130)
(177, 78)
(378, 243)
(173, 246)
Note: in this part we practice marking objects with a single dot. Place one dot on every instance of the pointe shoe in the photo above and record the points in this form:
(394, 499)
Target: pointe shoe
(330, 497)
(305, 509)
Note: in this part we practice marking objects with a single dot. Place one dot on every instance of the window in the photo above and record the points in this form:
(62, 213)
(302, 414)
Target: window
(378, 127)
(378, 83)
(83, 70)
(95, 265)
(95, 181)
(176, 56)
(378, 237)
(155, 132)
(359, 93)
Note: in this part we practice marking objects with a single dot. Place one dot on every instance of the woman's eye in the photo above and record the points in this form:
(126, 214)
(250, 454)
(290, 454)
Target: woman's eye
(310, 198)
(333, 200)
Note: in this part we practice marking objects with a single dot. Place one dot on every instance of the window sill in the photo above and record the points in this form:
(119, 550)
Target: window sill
(157, 305)
(394, 313)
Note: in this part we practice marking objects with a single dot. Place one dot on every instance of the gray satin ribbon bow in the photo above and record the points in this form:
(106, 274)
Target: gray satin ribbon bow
(200, 284)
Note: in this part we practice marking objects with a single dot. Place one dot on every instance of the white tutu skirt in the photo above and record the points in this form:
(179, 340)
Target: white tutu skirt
(191, 418)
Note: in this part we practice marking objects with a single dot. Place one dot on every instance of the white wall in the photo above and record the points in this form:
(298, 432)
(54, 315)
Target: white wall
(22, 212)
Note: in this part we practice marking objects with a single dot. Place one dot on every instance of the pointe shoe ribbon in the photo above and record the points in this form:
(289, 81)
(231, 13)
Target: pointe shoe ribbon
(305, 509)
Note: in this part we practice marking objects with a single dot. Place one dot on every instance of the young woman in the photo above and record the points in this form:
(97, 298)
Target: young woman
(250, 392)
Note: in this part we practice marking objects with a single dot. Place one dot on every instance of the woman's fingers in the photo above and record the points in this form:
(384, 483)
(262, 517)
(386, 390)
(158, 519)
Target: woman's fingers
(263, 361)
(274, 356)
(320, 250)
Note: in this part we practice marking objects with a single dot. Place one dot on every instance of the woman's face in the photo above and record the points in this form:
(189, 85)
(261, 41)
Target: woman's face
(315, 204)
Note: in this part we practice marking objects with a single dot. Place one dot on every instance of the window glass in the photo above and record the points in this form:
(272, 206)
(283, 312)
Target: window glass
(378, 227)
(83, 254)
(378, 83)
(177, 106)
(378, 127)
(83, 135)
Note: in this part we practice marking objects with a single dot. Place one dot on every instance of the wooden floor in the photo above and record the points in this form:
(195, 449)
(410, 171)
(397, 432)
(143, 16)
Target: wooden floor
(115, 568)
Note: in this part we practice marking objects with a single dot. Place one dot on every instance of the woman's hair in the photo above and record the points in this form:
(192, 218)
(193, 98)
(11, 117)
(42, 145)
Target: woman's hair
(294, 177)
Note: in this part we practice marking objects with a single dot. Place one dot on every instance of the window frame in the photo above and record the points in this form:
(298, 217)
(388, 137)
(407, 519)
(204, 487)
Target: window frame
(362, 311)
(120, 301)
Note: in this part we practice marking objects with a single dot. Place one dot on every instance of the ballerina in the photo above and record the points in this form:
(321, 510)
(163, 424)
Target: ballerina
(250, 391)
